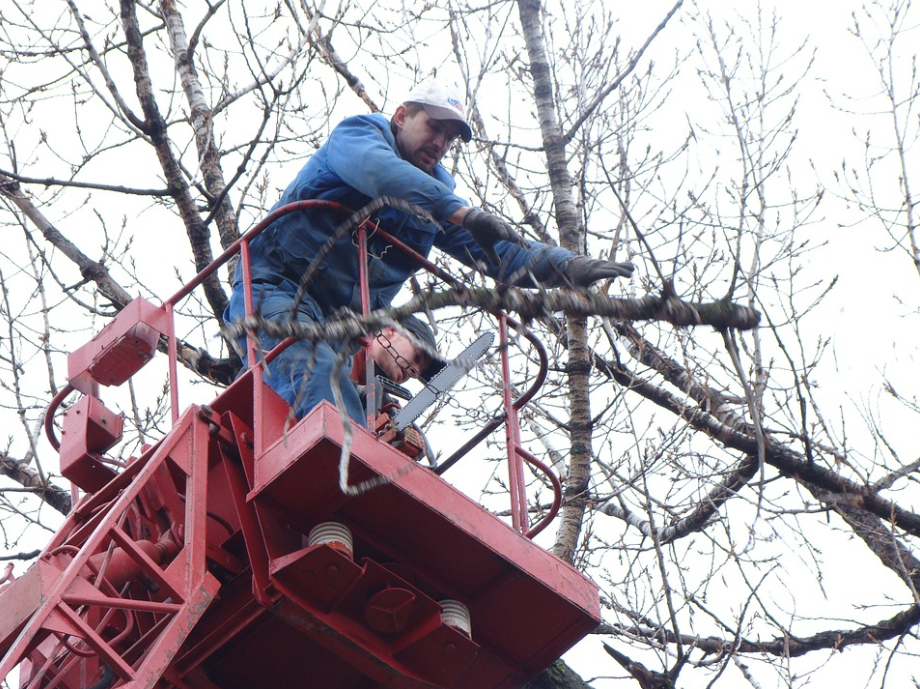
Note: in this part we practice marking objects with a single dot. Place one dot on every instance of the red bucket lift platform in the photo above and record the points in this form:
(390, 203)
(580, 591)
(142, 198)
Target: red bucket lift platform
(372, 617)
(194, 566)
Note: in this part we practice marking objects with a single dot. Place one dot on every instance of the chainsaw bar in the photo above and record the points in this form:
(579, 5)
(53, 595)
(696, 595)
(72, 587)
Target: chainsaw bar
(442, 382)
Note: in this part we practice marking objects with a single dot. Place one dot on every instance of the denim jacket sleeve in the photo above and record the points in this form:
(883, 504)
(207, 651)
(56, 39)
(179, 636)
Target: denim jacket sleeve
(517, 265)
(360, 157)
(362, 152)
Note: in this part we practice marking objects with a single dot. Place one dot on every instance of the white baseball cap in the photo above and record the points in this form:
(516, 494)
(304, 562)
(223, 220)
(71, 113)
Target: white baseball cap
(443, 101)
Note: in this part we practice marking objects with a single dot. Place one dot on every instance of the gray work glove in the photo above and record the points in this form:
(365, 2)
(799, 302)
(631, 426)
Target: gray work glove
(581, 271)
(487, 230)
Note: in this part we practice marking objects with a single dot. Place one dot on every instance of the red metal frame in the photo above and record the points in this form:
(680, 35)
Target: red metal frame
(190, 567)
(80, 572)
(370, 379)
(515, 451)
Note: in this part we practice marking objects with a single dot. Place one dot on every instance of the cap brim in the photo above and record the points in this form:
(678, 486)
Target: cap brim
(439, 113)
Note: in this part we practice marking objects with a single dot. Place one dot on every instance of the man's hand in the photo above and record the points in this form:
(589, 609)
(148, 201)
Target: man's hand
(581, 271)
(487, 230)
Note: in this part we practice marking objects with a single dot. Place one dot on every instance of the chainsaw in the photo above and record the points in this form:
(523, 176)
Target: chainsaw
(394, 424)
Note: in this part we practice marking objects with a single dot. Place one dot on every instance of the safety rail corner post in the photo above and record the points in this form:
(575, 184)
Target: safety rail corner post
(370, 379)
(172, 348)
(241, 247)
(516, 483)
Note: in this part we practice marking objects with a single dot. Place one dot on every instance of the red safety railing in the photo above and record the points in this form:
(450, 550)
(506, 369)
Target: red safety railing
(517, 455)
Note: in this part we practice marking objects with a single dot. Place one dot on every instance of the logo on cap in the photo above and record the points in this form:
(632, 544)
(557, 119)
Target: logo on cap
(453, 102)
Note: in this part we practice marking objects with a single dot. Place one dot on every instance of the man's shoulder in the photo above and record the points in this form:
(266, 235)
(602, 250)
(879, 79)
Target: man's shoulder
(374, 120)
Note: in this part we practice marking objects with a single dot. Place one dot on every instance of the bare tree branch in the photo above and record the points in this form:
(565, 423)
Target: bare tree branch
(28, 477)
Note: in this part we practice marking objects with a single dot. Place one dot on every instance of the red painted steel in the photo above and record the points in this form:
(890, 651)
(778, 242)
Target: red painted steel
(120, 349)
(526, 605)
(89, 611)
(190, 566)
(89, 430)
(516, 483)
(370, 377)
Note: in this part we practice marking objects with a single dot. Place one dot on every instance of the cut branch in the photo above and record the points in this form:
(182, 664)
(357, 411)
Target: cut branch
(527, 304)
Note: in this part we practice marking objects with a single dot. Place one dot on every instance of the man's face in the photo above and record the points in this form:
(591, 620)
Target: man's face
(422, 139)
(397, 357)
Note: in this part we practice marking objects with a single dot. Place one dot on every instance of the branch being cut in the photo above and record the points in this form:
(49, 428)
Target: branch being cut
(531, 305)
(528, 305)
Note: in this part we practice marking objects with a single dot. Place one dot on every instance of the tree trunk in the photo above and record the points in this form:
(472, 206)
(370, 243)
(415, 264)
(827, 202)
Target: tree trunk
(572, 237)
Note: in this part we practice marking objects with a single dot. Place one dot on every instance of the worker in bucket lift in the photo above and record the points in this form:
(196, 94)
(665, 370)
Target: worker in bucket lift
(397, 357)
(367, 157)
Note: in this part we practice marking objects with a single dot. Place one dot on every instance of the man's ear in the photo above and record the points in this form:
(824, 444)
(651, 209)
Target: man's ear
(399, 117)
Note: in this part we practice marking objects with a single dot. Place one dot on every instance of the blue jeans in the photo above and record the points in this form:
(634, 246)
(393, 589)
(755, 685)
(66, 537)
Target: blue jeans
(302, 373)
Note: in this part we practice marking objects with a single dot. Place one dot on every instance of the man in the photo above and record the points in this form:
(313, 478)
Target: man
(365, 158)
(397, 357)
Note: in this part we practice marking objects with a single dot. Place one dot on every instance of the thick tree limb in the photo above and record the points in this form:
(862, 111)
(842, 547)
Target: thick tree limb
(20, 556)
(221, 371)
(859, 505)
(28, 476)
(120, 108)
(647, 679)
(571, 237)
(787, 461)
(557, 676)
(525, 303)
(89, 269)
(571, 231)
(155, 128)
(202, 124)
(678, 376)
(532, 305)
(882, 542)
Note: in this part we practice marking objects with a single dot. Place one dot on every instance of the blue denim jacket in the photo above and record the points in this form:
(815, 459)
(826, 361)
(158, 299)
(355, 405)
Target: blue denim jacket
(359, 163)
